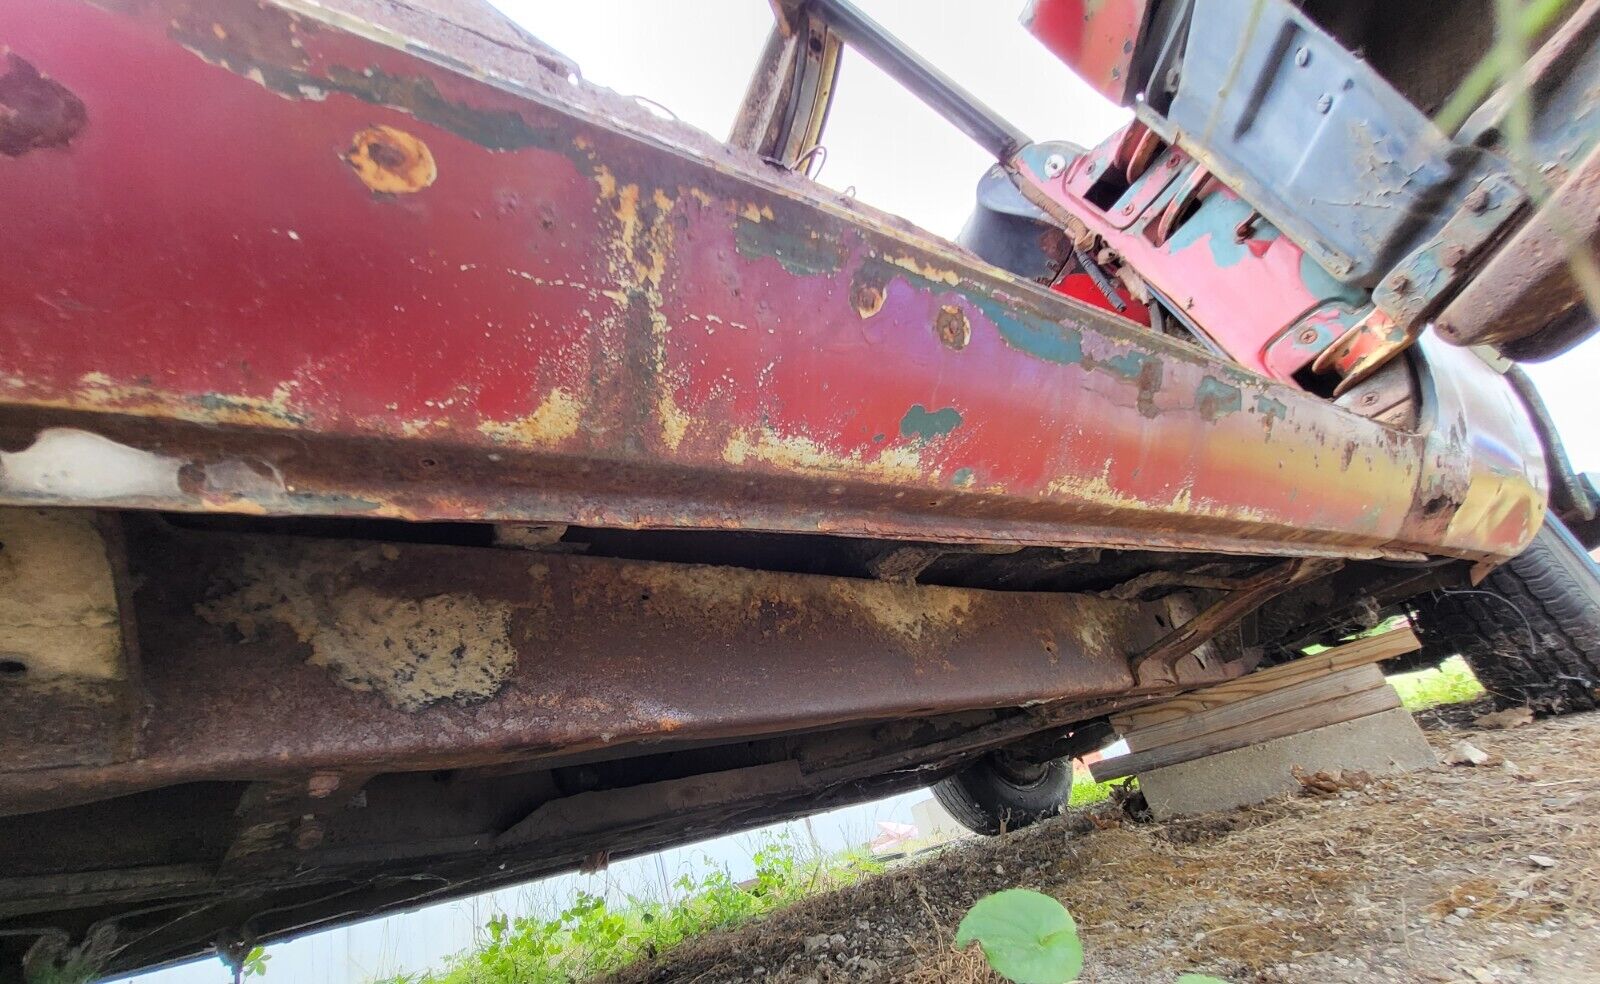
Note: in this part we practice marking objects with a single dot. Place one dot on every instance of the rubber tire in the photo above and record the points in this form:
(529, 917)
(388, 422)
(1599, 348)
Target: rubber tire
(1549, 593)
(985, 800)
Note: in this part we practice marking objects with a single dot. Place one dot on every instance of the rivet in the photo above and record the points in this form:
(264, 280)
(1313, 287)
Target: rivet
(1302, 57)
(1055, 164)
(1324, 103)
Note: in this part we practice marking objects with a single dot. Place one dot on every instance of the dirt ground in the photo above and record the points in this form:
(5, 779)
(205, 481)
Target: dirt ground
(1460, 873)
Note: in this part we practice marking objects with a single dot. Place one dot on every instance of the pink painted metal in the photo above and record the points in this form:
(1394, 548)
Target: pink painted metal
(1256, 286)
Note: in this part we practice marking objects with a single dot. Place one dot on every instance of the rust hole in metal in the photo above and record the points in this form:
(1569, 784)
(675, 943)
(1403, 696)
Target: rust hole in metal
(391, 161)
(35, 112)
(952, 327)
(868, 299)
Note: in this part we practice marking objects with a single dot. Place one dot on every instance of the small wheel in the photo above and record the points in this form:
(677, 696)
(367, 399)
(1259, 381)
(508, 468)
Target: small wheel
(1000, 792)
(1531, 630)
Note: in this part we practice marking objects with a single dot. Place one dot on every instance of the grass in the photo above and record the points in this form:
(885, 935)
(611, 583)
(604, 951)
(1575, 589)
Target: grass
(1451, 683)
(592, 936)
(1087, 792)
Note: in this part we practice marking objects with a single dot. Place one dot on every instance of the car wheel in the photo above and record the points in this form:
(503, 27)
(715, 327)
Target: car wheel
(999, 792)
(1531, 630)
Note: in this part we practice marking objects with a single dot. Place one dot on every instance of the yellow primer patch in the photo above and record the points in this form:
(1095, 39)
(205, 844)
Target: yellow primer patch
(906, 610)
(802, 454)
(638, 260)
(925, 270)
(391, 161)
(96, 390)
(556, 419)
(411, 651)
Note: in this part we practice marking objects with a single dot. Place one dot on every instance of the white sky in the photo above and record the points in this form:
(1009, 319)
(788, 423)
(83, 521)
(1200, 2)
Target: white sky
(694, 57)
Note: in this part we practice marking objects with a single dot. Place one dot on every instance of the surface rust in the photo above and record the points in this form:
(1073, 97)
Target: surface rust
(588, 316)
(345, 656)
(36, 112)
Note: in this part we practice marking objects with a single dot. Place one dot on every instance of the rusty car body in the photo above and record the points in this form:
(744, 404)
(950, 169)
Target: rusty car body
(423, 470)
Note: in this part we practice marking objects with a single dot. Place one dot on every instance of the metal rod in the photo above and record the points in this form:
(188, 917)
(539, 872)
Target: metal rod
(989, 129)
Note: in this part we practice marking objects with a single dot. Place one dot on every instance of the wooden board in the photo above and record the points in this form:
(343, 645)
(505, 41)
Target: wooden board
(1235, 713)
(1362, 652)
(1303, 718)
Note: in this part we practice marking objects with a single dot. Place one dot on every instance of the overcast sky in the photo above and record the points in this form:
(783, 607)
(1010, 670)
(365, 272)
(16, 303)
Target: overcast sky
(694, 57)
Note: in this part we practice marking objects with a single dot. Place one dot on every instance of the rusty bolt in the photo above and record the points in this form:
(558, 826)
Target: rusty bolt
(952, 327)
(308, 835)
(868, 299)
(322, 784)
(1452, 255)
(1400, 283)
(1445, 328)
(1478, 201)
(1308, 336)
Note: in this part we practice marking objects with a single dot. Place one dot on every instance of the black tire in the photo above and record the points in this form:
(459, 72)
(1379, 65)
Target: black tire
(1531, 630)
(996, 794)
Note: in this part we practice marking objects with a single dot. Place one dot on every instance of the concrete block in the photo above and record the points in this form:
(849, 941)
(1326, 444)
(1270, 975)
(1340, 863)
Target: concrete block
(1382, 744)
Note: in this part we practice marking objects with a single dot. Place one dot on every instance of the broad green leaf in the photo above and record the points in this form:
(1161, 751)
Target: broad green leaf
(1028, 938)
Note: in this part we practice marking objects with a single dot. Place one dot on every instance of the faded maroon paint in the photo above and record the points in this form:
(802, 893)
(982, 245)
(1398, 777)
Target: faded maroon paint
(1096, 38)
(584, 316)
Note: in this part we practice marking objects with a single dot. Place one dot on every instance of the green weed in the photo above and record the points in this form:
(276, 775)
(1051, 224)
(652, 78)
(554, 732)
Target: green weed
(1451, 683)
(593, 936)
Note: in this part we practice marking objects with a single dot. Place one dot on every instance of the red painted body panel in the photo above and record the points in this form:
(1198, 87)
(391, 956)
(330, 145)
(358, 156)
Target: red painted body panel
(1097, 38)
(578, 314)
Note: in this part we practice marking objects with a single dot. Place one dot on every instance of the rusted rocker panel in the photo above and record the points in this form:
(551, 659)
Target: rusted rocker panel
(349, 259)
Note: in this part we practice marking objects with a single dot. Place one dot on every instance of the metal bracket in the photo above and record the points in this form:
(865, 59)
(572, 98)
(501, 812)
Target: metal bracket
(1155, 666)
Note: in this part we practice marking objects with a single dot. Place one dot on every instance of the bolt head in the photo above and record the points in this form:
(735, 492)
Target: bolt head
(1054, 165)
(1302, 57)
(1453, 255)
(1324, 103)
(1308, 336)
(1368, 399)
(1478, 202)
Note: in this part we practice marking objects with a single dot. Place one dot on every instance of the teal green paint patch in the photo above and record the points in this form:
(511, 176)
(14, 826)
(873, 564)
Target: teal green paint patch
(1035, 336)
(1321, 285)
(1216, 218)
(1129, 365)
(962, 478)
(218, 403)
(798, 253)
(1216, 399)
(1272, 408)
(920, 422)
